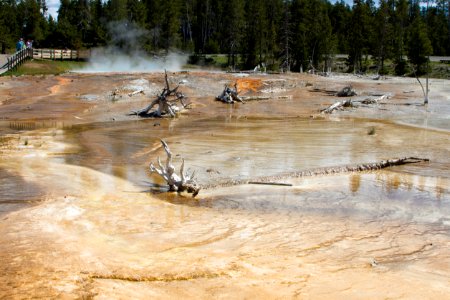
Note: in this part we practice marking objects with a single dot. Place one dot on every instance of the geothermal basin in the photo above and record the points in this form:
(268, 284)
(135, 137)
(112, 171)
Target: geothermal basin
(80, 216)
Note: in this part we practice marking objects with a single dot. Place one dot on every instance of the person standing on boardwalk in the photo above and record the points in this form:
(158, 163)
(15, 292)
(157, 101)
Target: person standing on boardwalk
(20, 45)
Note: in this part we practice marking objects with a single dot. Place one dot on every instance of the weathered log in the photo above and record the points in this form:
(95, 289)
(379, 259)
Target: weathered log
(135, 93)
(229, 95)
(351, 103)
(337, 105)
(261, 98)
(373, 100)
(166, 102)
(176, 183)
(270, 183)
(321, 171)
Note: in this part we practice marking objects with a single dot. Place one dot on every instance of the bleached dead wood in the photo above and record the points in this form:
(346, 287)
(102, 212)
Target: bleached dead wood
(365, 167)
(167, 103)
(336, 105)
(352, 103)
(259, 98)
(229, 95)
(177, 183)
(372, 100)
(135, 93)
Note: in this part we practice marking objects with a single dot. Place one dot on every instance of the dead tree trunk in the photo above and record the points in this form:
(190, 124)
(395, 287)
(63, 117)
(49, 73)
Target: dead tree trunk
(229, 95)
(351, 103)
(337, 105)
(347, 91)
(177, 183)
(167, 103)
(319, 172)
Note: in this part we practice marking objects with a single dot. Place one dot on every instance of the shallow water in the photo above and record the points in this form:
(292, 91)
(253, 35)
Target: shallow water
(92, 227)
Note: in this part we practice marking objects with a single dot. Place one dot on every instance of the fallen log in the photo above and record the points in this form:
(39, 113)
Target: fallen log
(321, 171)
(270, 183)
(135, 93)
(374, 100)
(351, 103)
(259, 98)
(176, 183)
(337, 105)
(167, 103)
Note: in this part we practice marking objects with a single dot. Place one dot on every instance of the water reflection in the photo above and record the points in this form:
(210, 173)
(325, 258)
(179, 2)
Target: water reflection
(110, 228)
(223, 148)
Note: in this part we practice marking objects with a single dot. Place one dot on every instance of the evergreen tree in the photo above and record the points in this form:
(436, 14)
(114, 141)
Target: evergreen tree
(66, 35)
(9, 29)
(171, 24)
(437, 30)
(312, 33)
(116, 10)
(360, 33)
(256, 33)
(340, 15)
(383, 33)
(400, 25)
(233, 25)
(136, 12)
(97, 36)
(419, 46)
(31, 21)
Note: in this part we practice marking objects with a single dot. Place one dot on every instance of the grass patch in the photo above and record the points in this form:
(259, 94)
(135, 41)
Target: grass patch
(45, 67)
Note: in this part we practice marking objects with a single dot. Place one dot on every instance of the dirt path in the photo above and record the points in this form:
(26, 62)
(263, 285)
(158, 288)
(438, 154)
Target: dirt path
(3, 61)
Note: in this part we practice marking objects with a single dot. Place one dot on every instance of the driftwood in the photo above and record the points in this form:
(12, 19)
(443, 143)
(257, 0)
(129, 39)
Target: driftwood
(177, 183)
(135, 93)
(270, 183)
(260, 98)
(320, 171)
(167, 103)
(337, 105)
(229, 95)
(352, 103)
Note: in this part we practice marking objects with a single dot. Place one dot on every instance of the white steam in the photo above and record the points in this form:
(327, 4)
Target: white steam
(125, 53)
(105, 60)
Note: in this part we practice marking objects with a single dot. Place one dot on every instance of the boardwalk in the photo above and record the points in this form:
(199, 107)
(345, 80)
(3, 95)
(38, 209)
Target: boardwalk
(3, 61)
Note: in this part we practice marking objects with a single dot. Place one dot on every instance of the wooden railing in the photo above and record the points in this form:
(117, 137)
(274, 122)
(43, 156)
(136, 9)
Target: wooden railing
(60, 54)
(18, 58)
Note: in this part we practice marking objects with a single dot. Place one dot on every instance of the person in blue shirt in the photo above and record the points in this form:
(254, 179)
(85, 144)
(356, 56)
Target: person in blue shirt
(20, 45)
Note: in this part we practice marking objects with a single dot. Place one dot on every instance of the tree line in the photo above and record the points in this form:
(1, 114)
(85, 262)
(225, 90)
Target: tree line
(291, 34)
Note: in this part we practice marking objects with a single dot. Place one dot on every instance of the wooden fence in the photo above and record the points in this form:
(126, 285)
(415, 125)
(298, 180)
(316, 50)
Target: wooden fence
(18, 58)
(61, 54)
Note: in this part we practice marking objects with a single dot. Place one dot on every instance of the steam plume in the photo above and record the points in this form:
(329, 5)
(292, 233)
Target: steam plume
(125, 53)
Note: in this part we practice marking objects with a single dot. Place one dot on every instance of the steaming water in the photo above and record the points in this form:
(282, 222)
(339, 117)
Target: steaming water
(103, 61)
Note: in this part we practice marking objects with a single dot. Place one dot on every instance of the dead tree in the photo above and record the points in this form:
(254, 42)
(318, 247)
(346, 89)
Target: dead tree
(275, 179)
(229, 95)
(177, 183)
(352, 103)
(347, 91)
(337, 105)
(167, 103)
